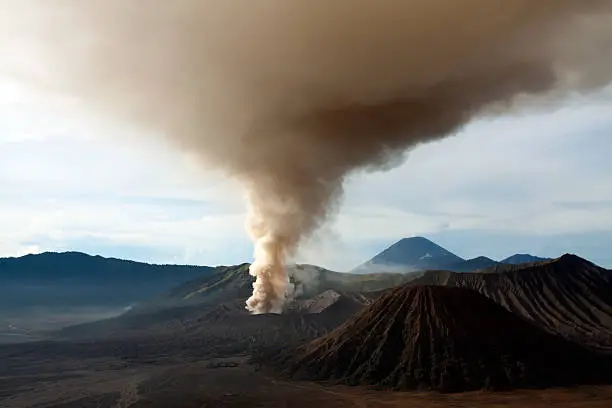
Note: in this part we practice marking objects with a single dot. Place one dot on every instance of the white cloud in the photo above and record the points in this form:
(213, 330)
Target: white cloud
(62, 188)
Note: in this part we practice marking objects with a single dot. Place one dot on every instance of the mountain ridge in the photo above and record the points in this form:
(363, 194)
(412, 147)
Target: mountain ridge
(85, 255)
(420, 254)
(523, 258)
(222, 293)
(428, 337)
(75, 278)
(569, 296)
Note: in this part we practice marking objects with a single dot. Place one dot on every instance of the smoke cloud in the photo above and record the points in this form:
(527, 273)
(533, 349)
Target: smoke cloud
(290, 97)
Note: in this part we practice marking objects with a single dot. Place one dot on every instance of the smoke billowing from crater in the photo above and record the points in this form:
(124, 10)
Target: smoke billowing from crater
(289, 97)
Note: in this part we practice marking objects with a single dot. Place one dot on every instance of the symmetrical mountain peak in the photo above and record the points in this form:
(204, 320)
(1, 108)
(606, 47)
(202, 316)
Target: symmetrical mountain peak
(421, 254)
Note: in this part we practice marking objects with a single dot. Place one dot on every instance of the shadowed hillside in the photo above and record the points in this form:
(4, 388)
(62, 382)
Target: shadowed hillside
(52, 290)
(446, 339)
(73, 278)
(214, 306)
(228, 283)
(569, 295)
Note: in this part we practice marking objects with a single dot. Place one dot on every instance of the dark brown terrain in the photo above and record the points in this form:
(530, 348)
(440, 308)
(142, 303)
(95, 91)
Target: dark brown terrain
(213, 307)
(569, 296)
(446, 339)
(194, 346)
(234, 383)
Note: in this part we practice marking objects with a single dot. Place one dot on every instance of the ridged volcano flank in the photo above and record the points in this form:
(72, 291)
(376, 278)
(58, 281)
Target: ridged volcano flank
(569, 296)
(446, 339)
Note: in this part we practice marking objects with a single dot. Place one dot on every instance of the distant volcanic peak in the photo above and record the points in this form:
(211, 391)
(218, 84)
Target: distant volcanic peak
(421, 243)
(447, 339)
(523, 258)
(481, 258)
(417, 239)
(411, 254)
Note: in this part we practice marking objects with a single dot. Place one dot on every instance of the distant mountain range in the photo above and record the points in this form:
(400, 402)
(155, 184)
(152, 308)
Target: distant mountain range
(517, 259)
(73, 287)
(220, 296)
(76, 279)
(421, 254)
(373, 326)
(72, 279)
(536, 324)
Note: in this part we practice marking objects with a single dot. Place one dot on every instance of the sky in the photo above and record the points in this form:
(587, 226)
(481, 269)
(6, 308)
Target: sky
(533, 182)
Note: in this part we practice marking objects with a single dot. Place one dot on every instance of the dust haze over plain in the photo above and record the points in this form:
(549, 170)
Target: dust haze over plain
(290, 97)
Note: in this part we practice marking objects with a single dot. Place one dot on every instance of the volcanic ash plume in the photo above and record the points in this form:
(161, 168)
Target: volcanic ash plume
(289, 97)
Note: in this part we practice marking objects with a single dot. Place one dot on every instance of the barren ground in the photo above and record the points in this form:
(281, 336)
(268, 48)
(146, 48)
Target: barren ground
(234, 382)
